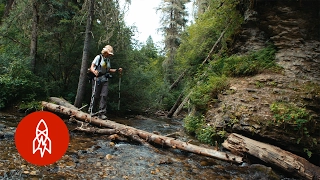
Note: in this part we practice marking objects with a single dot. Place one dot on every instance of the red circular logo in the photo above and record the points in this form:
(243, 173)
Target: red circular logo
(42, 138)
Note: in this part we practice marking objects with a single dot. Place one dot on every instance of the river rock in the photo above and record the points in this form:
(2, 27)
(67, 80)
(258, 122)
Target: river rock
(1, 135)
(9, 135)
(2, 126)
(109, 156)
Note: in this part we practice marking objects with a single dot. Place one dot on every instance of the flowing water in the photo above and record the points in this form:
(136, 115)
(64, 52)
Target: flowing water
(96, 157)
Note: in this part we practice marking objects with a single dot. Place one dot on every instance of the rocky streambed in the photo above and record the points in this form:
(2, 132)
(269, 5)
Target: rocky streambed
(96, 157)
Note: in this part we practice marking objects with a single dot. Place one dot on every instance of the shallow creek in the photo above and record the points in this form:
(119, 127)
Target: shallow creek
(96, 157)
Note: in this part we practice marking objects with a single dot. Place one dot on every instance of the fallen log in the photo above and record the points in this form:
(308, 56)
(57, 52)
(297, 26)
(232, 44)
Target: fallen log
(83, 127)
(96, 130)
(62, 102)
(146, 136)
(272, 155)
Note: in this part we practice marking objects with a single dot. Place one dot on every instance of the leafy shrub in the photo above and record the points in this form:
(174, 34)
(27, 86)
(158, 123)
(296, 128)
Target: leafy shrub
(206, 134)
(201, 36)
(192, 123)
(293, 117)
(246, 65)
(210, 135)
(19, 84)
(30, 106)
(208, 90)
(290, 114)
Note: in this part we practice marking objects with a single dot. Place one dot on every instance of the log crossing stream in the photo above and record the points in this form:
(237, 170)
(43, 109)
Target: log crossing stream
(95, 157)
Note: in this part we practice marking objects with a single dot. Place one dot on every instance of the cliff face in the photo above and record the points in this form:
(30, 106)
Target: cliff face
(294, 28)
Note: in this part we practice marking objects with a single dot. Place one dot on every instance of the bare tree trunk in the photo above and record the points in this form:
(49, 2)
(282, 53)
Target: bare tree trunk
(185, 100)
(272, 155)
(85, 57)
(176, 82)
(175, 106)
(34, 36)
(146, 136)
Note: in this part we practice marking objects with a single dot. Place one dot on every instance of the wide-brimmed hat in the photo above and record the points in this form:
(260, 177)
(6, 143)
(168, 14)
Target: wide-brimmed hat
(107, 49)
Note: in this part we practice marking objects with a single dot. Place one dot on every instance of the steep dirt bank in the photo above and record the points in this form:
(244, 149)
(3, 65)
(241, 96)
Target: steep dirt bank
(294, 28)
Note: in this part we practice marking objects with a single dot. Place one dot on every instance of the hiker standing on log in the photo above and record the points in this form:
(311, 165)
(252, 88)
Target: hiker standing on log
(101, 68)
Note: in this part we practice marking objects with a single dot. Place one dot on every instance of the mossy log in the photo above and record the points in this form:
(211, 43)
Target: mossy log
(146, 136)
(272, 155)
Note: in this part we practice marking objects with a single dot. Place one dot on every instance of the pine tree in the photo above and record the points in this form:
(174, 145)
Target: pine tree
(173, 22)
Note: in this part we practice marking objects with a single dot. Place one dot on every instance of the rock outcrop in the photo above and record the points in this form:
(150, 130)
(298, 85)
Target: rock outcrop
(294, 28)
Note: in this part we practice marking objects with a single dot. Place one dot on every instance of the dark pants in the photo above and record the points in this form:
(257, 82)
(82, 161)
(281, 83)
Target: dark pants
(100, 96)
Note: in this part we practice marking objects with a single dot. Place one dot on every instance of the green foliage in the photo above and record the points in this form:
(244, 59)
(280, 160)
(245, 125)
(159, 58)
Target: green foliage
(193, 123)
(290, 115)
(246, 65)
(206, 134)
(197, 126)
(173, 22)
(309, 153)
(60, 46)
(19, 84)
(210, 135)
(200, 37)
(208, 90)
(2, 9)
(30, 106)
(142, 80)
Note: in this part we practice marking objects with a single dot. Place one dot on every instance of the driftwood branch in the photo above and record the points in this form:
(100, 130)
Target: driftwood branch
(273, 155)
(146, 136)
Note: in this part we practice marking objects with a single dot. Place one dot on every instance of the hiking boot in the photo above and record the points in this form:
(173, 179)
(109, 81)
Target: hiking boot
(104, 117)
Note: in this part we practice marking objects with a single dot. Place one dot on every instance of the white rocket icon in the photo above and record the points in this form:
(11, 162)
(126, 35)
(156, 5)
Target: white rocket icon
(42, 141)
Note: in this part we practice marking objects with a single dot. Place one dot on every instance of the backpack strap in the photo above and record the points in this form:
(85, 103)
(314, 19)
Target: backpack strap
(100, 57)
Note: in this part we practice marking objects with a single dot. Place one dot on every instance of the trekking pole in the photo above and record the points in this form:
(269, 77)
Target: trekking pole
(92, 97)
(119, 91)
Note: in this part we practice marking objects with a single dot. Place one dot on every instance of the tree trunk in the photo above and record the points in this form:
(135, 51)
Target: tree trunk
(34, 36)
(272, 155)
(176, 82)
(175, 106)
(85, 57)
(178, 110)
(215, 45)
(146, 136)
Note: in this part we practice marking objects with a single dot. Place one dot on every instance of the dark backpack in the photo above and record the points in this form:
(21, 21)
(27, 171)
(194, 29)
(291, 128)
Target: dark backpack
(90, 74)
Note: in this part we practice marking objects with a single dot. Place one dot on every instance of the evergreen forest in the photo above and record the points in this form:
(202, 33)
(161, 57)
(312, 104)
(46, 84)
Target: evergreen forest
(47, 45)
